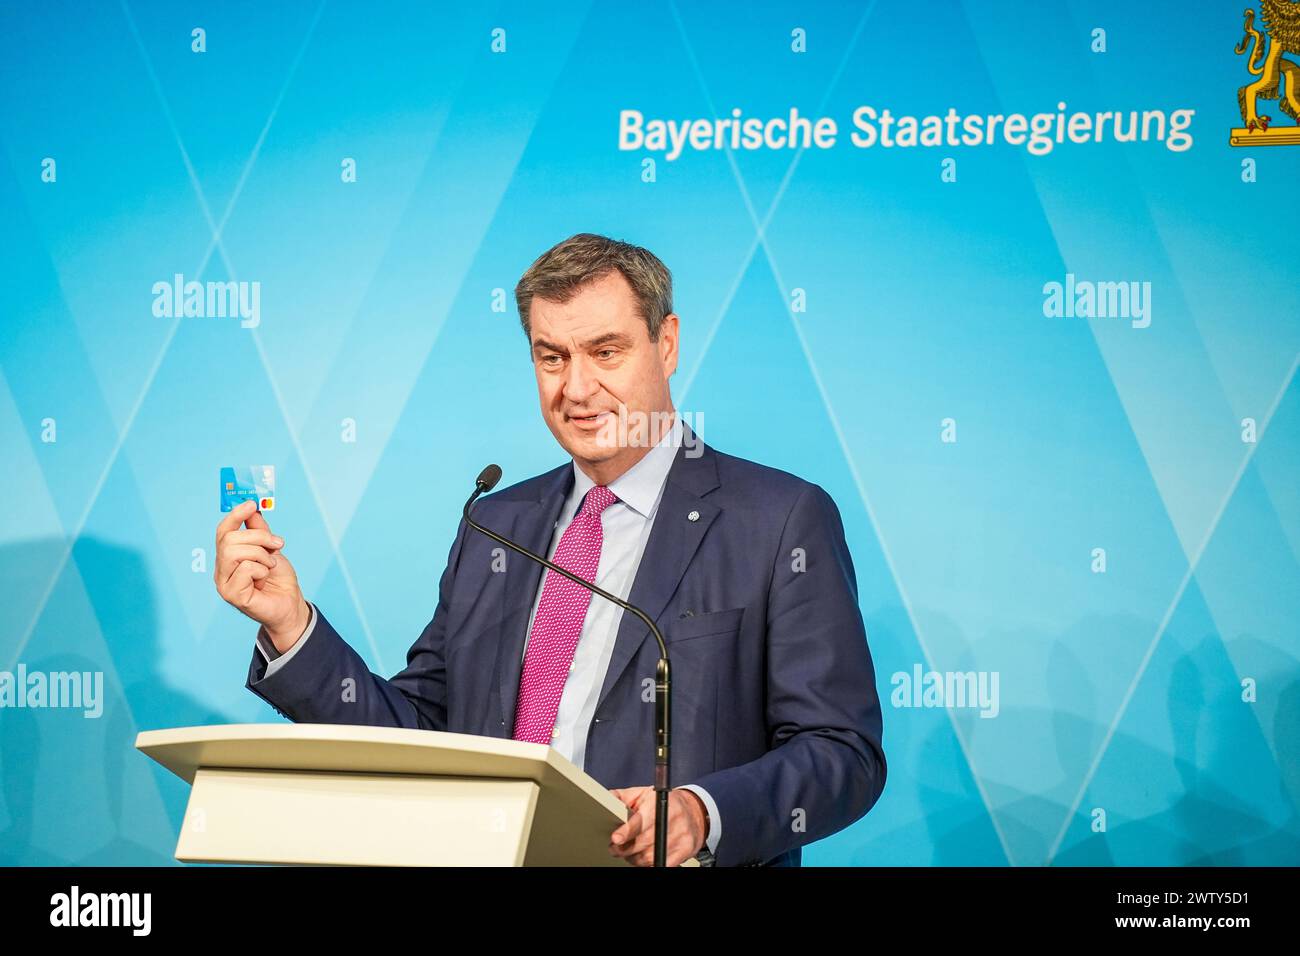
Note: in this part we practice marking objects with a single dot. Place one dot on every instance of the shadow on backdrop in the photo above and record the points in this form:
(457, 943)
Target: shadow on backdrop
(75, 789)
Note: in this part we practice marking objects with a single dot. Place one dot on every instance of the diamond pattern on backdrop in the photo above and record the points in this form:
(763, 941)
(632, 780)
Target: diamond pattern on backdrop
(1120, 691)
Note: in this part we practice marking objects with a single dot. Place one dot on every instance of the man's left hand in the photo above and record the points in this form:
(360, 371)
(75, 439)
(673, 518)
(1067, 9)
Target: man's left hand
(635, 839)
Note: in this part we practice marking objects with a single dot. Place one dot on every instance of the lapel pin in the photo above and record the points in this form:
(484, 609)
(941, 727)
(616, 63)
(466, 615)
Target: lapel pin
(693, 516)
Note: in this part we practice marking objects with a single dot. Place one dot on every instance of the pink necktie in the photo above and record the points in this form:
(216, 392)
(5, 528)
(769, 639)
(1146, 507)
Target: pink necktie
(558, 622)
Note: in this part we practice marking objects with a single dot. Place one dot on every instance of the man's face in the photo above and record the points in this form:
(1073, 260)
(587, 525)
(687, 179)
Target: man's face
(593, 355)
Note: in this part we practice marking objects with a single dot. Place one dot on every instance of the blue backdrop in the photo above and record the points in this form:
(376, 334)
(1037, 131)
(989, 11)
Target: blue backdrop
(1094, 514)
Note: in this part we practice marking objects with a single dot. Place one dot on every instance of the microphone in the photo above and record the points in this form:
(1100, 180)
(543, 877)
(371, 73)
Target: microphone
(486, 481)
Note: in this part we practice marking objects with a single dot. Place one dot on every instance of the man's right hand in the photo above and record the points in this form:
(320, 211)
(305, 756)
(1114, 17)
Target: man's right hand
(254, 576)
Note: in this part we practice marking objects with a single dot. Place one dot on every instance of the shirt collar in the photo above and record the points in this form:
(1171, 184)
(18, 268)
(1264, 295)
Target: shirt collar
(640, 485)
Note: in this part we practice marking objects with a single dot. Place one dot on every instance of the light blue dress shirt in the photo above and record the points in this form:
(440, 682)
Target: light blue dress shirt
(625, 527)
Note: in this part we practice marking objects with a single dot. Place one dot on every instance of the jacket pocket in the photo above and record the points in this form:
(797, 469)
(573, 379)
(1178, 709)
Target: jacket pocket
(702, 625)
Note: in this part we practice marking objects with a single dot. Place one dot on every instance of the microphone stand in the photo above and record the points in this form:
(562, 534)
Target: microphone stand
(663, 683)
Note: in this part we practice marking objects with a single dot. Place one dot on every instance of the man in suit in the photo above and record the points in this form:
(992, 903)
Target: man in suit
(776, 719)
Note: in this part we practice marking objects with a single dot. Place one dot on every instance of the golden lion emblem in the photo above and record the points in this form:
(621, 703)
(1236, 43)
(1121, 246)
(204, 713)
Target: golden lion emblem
(1279, 78)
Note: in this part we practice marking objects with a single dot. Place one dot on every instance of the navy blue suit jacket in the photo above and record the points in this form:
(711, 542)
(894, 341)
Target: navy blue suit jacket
(774, 704)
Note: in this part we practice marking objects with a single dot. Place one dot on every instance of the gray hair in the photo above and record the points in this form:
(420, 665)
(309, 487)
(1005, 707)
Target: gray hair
(563, 269)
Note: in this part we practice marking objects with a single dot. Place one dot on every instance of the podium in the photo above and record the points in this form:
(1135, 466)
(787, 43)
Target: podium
(345, 794)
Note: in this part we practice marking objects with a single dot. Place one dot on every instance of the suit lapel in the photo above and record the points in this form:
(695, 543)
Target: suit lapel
(532, 525)
(674, 539)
